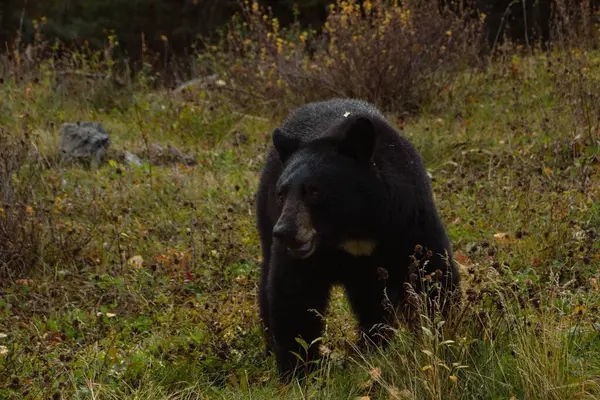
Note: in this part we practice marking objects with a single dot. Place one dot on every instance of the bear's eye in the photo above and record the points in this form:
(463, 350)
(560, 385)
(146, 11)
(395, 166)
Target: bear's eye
(310, 192)
(280, 198)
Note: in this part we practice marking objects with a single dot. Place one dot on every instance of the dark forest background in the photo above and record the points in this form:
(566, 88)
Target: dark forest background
(183, 22)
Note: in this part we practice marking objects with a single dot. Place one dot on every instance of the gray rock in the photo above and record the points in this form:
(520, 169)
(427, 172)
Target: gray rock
(85, 141)
(132, 159)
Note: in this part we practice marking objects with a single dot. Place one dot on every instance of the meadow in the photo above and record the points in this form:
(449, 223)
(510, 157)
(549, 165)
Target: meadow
(139, 282)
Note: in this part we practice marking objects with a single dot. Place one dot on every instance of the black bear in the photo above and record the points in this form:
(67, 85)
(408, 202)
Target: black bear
(343, 199)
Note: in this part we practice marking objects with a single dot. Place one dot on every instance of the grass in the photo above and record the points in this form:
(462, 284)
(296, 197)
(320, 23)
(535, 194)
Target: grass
(140, 282)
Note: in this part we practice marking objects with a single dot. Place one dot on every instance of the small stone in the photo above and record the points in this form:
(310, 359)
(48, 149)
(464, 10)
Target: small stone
(132, 159)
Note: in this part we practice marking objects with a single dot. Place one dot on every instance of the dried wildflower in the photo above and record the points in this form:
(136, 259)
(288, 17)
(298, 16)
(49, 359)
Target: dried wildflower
(413, 279)
(499, 305)
(539, 327)
(375, 373)
(382, 273)
(471, 294)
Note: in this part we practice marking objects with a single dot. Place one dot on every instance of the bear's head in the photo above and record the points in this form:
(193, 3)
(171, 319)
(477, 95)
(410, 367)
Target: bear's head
(329, 191)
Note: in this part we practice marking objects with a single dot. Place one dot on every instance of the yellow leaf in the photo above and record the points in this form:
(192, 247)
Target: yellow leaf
(453, 379)
(112, 353)
(580, 309)
(136, 261)
(501, 236)
(3, 350)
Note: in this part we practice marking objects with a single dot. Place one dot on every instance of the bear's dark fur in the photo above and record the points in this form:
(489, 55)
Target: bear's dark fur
(343, 199)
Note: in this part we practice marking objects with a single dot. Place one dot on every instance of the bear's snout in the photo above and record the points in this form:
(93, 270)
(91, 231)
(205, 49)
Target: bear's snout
(286, 233)
(295, 231)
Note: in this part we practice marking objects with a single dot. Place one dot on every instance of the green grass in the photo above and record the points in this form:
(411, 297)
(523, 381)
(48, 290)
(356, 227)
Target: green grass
(514, 156)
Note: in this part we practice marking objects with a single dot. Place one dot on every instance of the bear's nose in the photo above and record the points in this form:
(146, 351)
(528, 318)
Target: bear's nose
(285, 234)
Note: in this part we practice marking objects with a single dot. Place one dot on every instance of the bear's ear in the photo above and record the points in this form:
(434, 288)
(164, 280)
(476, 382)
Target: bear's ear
(285, 145)
(358, 139)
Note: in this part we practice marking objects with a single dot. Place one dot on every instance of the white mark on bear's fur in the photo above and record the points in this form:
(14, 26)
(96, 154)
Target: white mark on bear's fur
(359, 247)
(346, 114)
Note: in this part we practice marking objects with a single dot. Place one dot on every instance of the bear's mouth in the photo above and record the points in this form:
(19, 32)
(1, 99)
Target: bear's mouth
(304, 250)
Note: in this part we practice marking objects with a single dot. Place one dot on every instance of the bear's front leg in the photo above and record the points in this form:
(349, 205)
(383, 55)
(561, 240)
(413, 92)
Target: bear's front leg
(373, 304)
(297, 295)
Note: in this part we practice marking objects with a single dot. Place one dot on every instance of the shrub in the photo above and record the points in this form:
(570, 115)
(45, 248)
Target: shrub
(378, 51)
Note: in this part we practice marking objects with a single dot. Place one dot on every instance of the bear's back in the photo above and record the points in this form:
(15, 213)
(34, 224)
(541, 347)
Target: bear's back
(311, 120)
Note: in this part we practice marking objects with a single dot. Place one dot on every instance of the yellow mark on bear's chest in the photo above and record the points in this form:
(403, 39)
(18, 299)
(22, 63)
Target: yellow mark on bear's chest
(359, 247)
